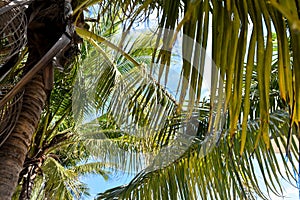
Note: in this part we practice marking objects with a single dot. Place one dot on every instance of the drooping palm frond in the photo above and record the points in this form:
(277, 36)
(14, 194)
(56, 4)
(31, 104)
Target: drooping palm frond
(242, 31)
(221, 173)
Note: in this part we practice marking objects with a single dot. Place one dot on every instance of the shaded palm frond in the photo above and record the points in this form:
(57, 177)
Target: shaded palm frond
(61, 183)
(231, 31)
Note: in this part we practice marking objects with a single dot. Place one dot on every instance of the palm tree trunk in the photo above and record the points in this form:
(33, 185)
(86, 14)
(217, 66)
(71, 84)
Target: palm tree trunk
(13, 151)
(46, 25)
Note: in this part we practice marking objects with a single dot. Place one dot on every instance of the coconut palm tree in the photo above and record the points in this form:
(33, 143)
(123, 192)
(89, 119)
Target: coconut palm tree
(217, 163)
(58, 152)
(57, 157)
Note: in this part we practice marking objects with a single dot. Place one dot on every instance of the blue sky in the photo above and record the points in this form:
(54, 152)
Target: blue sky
(98, 184)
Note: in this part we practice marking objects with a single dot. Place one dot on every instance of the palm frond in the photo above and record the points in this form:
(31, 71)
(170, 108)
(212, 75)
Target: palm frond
(92, 168)
(61, 183)
(221, 174)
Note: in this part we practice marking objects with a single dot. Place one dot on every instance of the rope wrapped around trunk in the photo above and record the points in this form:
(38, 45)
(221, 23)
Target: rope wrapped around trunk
(13, 29)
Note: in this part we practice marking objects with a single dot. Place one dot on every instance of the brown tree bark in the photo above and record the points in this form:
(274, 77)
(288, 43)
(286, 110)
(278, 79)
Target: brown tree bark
(47, 23)
(14, 150)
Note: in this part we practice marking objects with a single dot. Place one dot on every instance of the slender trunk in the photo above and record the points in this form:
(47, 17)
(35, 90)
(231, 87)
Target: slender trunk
(13, 151)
